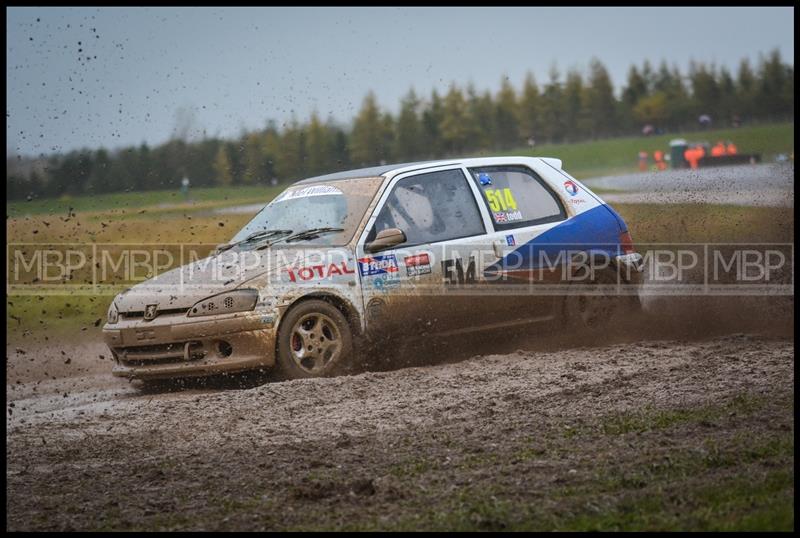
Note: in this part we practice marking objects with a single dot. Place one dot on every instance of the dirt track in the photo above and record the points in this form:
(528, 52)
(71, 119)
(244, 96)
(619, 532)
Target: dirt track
(754, 185)
(489, 441)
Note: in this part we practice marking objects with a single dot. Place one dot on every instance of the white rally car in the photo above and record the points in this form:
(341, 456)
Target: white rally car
(430, 249)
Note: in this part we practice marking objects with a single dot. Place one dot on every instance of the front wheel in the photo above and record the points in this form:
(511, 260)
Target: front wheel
(314, 340)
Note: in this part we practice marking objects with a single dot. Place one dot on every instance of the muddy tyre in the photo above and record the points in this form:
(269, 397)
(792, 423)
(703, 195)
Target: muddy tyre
(314, 340)
(595, 311)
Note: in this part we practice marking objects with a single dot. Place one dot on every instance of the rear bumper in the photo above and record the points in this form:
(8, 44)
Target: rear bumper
(181, 347)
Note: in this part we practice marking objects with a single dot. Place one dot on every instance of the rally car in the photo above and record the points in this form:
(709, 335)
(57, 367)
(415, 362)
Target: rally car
(429, 249)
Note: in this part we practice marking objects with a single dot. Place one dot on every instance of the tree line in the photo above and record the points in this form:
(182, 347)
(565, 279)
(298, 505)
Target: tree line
(561, 109)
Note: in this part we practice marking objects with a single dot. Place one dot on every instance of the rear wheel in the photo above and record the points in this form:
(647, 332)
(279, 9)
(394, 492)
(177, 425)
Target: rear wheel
(314, 340)
(596, 309)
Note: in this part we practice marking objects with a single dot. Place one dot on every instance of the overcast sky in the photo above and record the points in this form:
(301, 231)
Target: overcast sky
(114, 77)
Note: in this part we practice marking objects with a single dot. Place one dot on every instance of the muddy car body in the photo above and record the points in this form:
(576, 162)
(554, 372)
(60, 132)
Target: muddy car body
(422, 249)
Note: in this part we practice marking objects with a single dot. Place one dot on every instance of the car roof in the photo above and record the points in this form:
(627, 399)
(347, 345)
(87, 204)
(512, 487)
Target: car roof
(374, 171)
(387, 169)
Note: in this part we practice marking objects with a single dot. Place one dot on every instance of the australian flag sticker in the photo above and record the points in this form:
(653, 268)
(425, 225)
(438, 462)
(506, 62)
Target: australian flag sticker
(510, 241)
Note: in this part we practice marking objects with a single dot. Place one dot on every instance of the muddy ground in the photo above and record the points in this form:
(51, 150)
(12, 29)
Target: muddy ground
(749, 185)
(653, 425)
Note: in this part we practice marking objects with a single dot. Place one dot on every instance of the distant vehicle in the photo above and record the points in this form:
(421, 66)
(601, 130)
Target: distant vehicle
(701, 154)
(383, 255)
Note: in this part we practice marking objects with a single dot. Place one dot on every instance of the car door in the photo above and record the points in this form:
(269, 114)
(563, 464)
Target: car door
(420, 286)
(522, 208)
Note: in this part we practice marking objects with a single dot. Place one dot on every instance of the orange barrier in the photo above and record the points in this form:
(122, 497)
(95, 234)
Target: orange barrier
(643, 161)
(658, 157)
(693, 156)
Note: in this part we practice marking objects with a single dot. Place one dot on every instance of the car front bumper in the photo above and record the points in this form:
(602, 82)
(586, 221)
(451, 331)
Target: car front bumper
(180, 346)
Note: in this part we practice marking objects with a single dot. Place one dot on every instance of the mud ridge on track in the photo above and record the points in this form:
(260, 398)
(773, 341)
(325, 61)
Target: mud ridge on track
(351, 448)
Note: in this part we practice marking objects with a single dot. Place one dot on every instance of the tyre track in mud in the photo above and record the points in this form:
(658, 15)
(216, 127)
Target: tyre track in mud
(337, 444)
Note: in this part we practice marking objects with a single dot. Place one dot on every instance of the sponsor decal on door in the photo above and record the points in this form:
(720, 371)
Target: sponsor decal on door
(419, 264)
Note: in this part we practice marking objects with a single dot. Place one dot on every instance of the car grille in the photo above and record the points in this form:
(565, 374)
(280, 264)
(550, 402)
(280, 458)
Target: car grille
(138, 314)
(161, 353)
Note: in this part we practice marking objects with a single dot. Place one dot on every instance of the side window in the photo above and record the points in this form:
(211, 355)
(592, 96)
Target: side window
(517, 197)
(431, 207)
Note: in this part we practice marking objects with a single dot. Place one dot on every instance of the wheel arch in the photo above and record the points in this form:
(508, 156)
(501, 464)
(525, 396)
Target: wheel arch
(344, 306)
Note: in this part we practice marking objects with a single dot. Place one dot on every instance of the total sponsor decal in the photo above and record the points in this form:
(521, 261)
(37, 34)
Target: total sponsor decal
(419, 264)
(314, 272)
(571, 187)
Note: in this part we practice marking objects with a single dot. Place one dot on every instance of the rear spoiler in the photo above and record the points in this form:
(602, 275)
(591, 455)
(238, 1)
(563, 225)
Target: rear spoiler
(555, 163)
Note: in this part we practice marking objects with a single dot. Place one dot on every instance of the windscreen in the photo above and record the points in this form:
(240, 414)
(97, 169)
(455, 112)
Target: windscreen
(332, 204)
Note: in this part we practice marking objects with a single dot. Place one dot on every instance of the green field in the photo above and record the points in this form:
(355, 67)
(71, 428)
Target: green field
(582, 160)
(126, 202)
(619, 155)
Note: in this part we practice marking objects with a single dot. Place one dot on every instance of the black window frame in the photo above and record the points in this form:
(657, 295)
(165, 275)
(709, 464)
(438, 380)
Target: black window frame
(372, 232)
(562, 215)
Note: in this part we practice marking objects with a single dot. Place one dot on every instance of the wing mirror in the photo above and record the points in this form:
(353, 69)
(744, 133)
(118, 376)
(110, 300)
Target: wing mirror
(386, 239)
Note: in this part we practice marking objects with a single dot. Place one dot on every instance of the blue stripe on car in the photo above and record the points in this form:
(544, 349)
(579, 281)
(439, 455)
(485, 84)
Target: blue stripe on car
(595, 230)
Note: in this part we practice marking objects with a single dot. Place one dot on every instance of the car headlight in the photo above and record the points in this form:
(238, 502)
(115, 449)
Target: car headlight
(224, 303)
(113, 313)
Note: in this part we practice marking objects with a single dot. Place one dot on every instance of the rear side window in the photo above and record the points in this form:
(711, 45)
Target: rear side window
(431, 207)
(517, 197)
